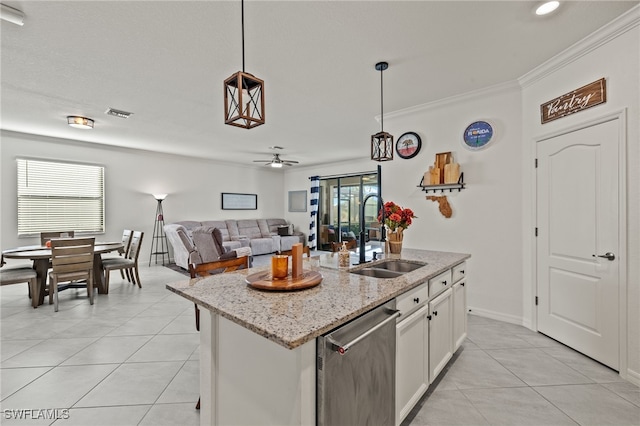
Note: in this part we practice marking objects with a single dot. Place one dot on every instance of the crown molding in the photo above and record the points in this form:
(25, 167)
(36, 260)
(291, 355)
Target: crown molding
(456, 99)
(601, 36)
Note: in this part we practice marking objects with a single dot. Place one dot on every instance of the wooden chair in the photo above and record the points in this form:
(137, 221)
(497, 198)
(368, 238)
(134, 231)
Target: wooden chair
(126, 242)
(48, 236)
(22, 275)
(72, 260)
(129, 263)
(213, 268)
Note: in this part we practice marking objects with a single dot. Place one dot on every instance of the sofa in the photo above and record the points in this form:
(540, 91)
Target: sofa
(262, 236)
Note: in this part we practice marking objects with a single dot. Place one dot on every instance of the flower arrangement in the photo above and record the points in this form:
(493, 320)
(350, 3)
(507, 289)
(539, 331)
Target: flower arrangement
(396, 219)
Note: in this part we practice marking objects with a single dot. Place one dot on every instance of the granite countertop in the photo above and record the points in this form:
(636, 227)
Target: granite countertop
(294, 318)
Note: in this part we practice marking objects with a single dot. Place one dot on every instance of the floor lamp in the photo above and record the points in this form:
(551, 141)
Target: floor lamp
(159, 239)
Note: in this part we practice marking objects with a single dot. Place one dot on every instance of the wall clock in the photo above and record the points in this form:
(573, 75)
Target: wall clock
(477, 135)
(408, 145)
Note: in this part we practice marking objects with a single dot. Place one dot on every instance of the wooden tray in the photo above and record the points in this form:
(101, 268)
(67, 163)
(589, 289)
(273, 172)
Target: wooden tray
(264, 281)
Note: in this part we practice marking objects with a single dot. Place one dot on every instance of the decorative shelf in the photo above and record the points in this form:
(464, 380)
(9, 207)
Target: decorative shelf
(459, 186)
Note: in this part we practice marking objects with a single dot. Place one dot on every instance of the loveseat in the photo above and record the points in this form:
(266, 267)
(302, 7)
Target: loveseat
(263, 236)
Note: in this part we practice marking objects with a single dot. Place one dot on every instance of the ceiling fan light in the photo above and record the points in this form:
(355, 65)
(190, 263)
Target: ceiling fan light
(276, 165)
(547, 7)
(79, 122)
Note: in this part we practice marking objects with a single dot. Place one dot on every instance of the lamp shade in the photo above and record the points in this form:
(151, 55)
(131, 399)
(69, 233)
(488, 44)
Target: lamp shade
(159, 197)
(243, 100)
(382, 147)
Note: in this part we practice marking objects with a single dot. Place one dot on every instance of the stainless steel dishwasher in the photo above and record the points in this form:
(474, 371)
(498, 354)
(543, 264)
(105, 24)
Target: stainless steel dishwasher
(356, 371)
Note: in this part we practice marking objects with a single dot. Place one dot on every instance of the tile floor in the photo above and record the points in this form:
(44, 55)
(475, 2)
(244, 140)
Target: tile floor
(132, 359)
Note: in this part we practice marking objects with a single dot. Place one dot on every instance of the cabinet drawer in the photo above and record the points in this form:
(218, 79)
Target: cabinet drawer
(410, 300)
(458, 272)
(439, 283)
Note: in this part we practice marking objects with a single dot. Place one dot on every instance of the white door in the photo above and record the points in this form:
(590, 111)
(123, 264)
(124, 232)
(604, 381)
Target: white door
(440, 334)
(577, 220)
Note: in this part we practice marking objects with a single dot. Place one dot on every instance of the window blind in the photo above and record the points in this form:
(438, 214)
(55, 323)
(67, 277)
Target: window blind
(56, 196)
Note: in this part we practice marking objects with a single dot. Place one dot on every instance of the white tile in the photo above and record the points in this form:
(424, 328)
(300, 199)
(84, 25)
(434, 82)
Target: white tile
(61, 387)
(592, 405)
(131, 384)
(169, 347)
(14, 379)
(48, 353)
(108, 350)
(106, 416)
(184, 387)
(171, 415)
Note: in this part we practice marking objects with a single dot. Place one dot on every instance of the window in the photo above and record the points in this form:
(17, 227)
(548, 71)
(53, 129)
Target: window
(55, 196)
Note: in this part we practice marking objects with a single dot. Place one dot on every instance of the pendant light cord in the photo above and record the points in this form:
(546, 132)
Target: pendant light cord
(242, 6)
(381, 102)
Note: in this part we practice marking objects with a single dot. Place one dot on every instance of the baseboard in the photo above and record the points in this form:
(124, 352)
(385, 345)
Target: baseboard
(633, 377)
(512, 319)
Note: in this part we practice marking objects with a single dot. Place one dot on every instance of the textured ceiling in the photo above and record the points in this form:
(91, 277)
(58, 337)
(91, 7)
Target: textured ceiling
(165, 62)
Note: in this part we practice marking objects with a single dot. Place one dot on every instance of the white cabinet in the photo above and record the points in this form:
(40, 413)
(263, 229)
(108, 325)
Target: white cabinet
(412, 369)
(440, 333)
(459, 297)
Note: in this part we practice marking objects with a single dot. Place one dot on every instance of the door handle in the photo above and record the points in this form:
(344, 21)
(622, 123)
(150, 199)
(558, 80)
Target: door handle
(608, 255)
(342, 349)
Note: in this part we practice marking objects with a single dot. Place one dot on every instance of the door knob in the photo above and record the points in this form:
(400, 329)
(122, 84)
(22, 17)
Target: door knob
(608, 255)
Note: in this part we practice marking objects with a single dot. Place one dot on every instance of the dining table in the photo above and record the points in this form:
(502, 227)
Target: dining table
(41, 257)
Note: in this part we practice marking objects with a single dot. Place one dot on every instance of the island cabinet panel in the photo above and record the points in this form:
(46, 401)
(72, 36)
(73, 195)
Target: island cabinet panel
(440, 333)
(459, 297)
(251, 380)
(412, 360)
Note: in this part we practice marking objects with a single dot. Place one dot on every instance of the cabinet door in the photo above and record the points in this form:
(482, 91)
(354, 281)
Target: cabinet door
(412, 369)
(440, 333)
(459, 313)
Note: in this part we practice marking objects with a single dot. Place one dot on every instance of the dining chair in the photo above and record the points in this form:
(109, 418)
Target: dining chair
(126, 243)
(72, 261)
(129, 263)
(213, 268)
(19, 275)
(47, 236)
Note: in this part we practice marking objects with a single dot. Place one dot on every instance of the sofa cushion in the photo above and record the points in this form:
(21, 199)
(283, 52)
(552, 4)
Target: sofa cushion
(221, 225)
(264, 245)
(249, 228)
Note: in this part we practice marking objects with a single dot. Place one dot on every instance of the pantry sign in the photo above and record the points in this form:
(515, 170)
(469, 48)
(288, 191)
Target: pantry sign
(580, 99)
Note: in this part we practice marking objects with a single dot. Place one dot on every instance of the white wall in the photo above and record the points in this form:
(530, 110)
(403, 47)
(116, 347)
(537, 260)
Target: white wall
(193, 185)
(613, 53)
(486, 219)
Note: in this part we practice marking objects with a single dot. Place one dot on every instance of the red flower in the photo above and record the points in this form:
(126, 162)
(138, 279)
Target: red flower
(395, 216)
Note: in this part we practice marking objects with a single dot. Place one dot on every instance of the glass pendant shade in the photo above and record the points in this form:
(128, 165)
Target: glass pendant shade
(382, 147)
(243, 100)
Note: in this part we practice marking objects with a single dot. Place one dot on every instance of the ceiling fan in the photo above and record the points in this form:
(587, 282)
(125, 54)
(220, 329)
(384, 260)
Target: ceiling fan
(276, 161)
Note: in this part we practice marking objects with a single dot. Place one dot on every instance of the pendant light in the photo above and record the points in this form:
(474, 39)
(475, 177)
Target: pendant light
(243, 96)
(381, 142)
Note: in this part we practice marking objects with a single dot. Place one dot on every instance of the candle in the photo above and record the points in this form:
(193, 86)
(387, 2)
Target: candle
(279, 266)
(296, 260)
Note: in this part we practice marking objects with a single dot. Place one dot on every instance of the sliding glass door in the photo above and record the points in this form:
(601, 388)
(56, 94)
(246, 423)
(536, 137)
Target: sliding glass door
(340, 202)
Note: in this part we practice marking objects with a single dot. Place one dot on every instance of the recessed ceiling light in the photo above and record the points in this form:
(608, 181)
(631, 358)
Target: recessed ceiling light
(79, 122)
(547, 7)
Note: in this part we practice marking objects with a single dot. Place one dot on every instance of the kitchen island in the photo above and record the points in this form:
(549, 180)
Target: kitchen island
(258, 348)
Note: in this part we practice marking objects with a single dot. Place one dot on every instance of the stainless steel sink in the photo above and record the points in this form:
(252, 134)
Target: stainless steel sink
(397, 265)
(389, 268)
(377, 273)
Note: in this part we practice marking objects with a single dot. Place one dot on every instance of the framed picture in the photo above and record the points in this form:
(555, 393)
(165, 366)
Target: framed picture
(297, 201)
(233, 201)
(408, 145)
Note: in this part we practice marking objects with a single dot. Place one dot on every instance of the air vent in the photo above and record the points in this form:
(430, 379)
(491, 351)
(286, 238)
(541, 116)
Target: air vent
(118, 113)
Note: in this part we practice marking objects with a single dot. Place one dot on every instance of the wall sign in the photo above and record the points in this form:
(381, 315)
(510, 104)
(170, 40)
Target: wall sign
(233, 201)
(580, 99)
(477, 135)
(408, 145)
